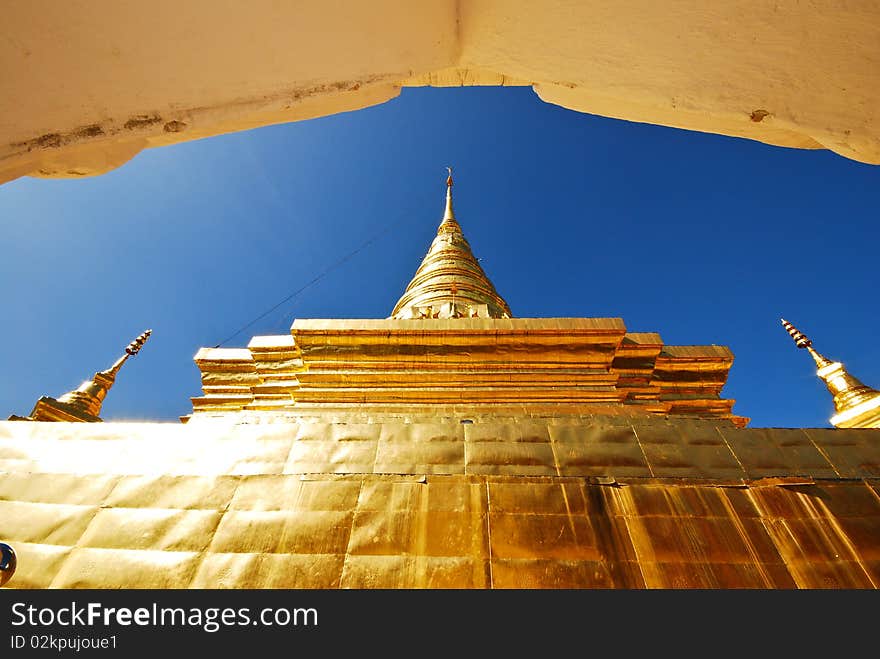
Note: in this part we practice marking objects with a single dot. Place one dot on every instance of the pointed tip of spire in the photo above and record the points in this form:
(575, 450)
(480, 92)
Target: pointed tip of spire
(448, 214)
(800, 339)
(138, 343)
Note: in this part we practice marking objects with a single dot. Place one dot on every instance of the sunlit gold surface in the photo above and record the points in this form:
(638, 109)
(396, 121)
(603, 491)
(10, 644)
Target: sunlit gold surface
(603, 503)
(468, 451)
(84, 403)
(857, 405)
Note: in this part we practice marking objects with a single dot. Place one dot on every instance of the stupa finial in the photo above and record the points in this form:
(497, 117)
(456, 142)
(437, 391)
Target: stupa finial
(802, 341)
(448, 214)
(84, 403)
(857, 405)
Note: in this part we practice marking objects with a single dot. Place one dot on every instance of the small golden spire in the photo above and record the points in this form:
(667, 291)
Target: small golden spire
(857, 405)
(448, 214)
(84, 403)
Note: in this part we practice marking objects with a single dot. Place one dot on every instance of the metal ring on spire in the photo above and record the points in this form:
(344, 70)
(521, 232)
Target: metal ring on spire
(800, 339)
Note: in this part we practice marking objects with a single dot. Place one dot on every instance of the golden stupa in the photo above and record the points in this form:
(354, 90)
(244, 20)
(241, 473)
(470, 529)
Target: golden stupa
(856, 405)
(451, 445)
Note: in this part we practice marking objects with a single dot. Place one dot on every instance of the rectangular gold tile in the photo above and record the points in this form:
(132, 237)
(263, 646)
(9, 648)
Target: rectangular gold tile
(73, 489)
(262, 450)
(37, 564)
(688, 461)
(681, 501)
(759, 456)
(810, 540)
(435, 457)
(457, 494)
(849, 499)
(704, 502)
(393, 495)
(740, 501)
(854, 452)
(682, 432)
(598, 450)
(314, 432)
(613, 541)
(548, 573)
(44, 523)
(290, 492)
(283, 532)
(794, 502)
(669, 500)
(507, 432)
(151, 528)
(593, 434)
(441, 493)
(863, 534)
(432, 533)
(638, 500)
(542, 536)
(767, 452)
(354, 432)
(830, 574)
(110, 568)
(259, 571)
(842, 437)
(418, 433)
(550, 497)
(623, 460)
(331, 457)
(267, 492)
(716, 575)
(759, 541)
(808, 460)
(329, 494)
(701, 540)
(206, 492)
(515, 458)
(414, 572)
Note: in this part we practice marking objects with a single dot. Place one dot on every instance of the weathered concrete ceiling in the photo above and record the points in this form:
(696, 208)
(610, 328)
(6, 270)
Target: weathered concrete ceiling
(85, 85)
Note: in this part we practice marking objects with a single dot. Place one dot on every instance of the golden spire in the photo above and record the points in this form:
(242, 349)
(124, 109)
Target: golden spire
(84, 403)
(857, 405)
(450, 282)
(448, 214)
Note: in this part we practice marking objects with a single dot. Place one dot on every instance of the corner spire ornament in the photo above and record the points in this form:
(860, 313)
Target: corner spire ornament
(84, 403)
(857, 405)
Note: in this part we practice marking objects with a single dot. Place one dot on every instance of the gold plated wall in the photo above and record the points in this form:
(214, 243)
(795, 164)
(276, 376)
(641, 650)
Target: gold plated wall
(608, 503)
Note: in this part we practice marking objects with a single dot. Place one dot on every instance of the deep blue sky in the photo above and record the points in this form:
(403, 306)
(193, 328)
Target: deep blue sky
(702, 238)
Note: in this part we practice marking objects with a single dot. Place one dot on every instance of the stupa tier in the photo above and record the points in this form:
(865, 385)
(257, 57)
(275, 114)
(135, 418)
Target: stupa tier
(535, 367)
